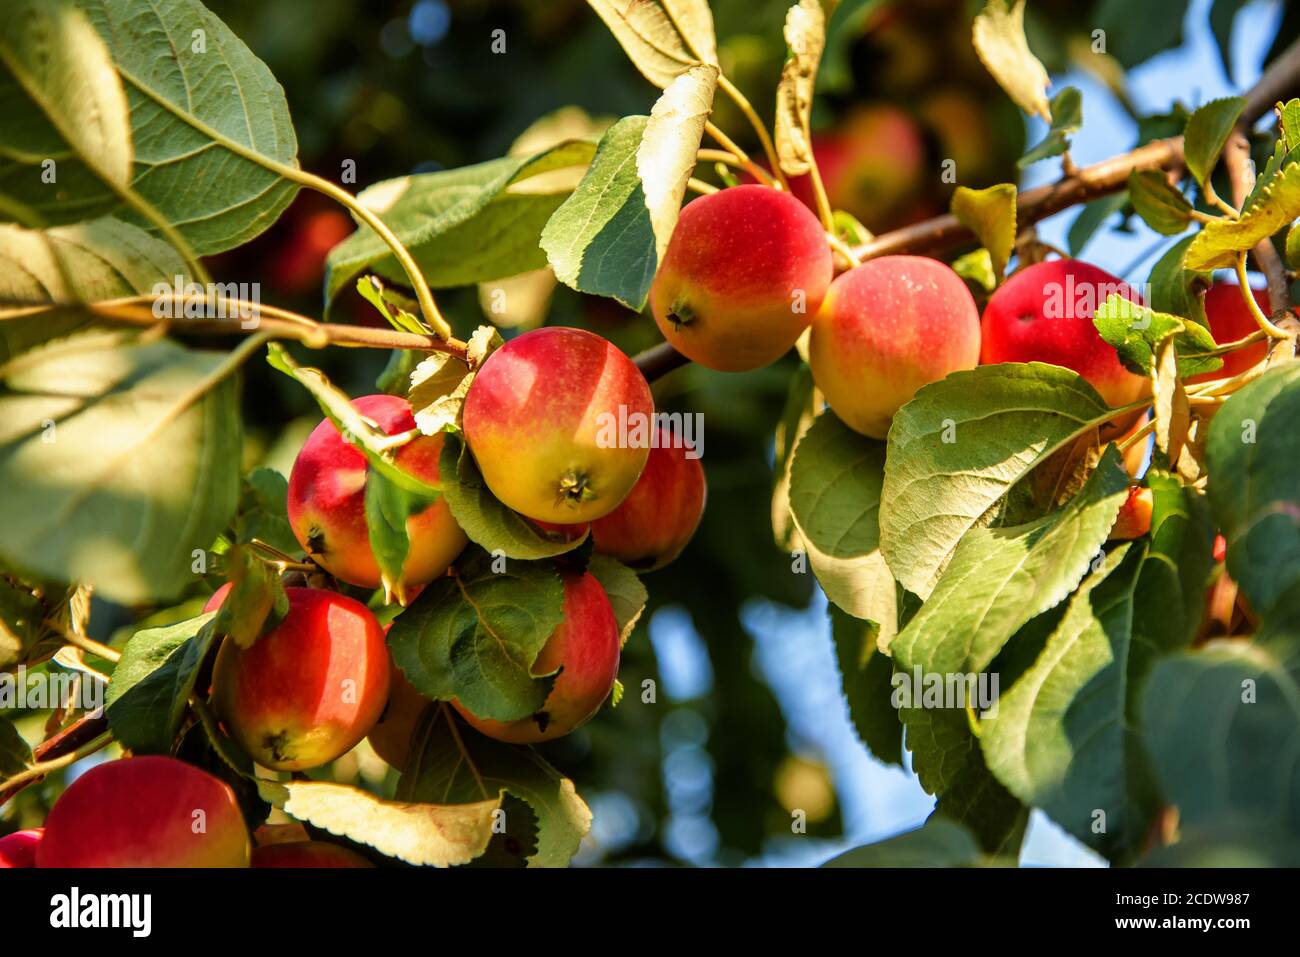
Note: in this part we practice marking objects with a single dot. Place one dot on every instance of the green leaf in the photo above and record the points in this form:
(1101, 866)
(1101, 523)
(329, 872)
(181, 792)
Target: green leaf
(1251, 453)
(977, 266)
(264, 512)
(1223, 727)
(938, 843)
(1274, 206)
(388, 506)
(1000, 578)
(22, 617)
(1158, 202)
(153, 682)
(662, 38)
(1067, 117)
(601, 240)
(1003, 420)
(1207, 131)
(207, 119)
(68, 265)
(991, 215)
(1091, 218)
(119, 459)
(1222, 13)
(626, 593)
(1174, 290)
(462, 226)
(65, 102)
(482, 516)
(426, 835)
(256, 602)
(449, 763)
(1136, 331)
(1136, 32)
(865, 674)
(15, 754)
(475, 635)
(835, 483)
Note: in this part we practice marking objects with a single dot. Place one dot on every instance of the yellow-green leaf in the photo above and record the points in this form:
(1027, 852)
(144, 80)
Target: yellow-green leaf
(991, 215)
(999, 38)
(427, 835)
(805, 35)
(1275, 206)
(669, 145)
(662, 38)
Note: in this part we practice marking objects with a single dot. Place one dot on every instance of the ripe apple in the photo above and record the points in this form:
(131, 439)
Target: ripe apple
(1230, 320)
(391, 736)
(660, 514)
(743, 276)
(327, 500)
(307, 854)
(887, 328)
(559, 421)
(586, 647)
(1134, 518)
(19, 848)
(145, 812)
(309, 689)
(1044, 314)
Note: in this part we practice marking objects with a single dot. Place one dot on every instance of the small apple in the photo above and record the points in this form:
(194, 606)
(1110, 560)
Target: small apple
(1230, 320)
(19, 848)
(327, 501)
(887, 328)
(586, 647)
(391, 736)
(559, 421)
(148, 811)
(745, 272)
(309, 689)
(660, 514)
(1134, 518)
(1044, 312)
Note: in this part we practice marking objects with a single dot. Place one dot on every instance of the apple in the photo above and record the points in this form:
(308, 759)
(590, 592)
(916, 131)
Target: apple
(148, 811)
(309, 689)
(391, 736)
(745, 272)
(559, 421)
(887, 328)
(327, 501)
(19, 849)
(586, 647)
(1043, 313)
(1134, 518)
(660, 514)
(307, 854)
(1230, 320)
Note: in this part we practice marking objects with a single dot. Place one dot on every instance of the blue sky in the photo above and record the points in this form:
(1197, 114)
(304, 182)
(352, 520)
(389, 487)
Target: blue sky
(793, 648)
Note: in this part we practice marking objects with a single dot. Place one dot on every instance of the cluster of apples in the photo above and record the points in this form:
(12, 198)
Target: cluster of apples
(748, 270)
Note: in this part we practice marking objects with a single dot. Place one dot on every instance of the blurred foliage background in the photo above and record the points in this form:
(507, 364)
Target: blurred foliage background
(711, 772)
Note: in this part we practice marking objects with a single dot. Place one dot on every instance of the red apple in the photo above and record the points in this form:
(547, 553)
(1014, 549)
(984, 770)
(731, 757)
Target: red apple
(662, 511)
(307, 854)
(391, 736)
(145, 812)
(1230, 320)
(1044, 314)
(586, 647)
(19, 849)
(309, 689)
(559, 421)
(327, 502)
(743, 276)
(887, 328)
(1134, 518)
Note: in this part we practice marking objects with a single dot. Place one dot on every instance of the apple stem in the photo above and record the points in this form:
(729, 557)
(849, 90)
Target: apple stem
(745, 107)
(1248, 295)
